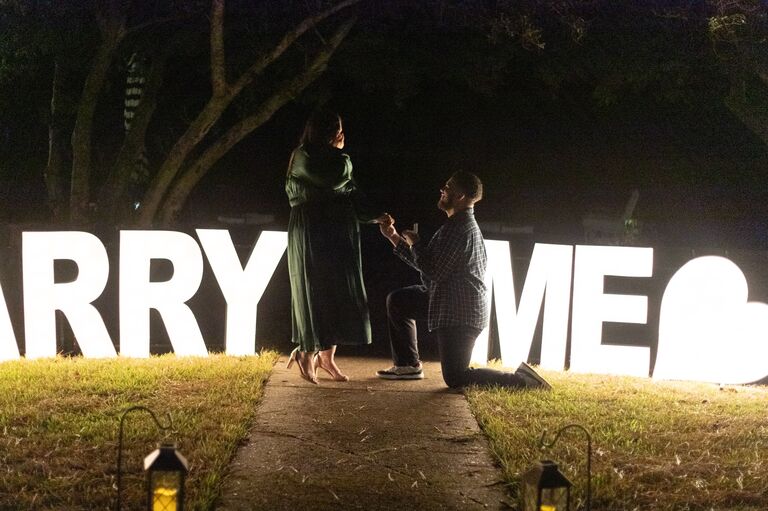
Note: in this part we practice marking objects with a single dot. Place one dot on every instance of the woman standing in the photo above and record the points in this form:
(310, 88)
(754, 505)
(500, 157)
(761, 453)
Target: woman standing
(328, 301)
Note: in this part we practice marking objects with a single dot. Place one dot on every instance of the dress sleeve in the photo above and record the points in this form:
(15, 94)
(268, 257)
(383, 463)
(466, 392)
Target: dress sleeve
(365, 211)
(325, 172)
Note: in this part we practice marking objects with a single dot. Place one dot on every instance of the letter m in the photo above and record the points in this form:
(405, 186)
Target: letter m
(549, 275)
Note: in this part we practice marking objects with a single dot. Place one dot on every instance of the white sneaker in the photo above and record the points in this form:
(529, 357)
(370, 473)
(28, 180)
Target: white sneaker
(402, 373)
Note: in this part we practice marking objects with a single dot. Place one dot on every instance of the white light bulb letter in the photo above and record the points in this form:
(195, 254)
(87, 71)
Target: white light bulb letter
(591, 307)
(43, 296)
(138, 294)
(242, 287)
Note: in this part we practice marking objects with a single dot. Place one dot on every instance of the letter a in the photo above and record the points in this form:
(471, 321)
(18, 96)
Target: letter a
(43, 296)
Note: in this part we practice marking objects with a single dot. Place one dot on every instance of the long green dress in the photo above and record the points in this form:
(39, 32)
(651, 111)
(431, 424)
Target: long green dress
(328, 300)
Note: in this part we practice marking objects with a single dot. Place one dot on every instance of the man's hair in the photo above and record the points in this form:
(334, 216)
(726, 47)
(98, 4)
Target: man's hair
(469, 184)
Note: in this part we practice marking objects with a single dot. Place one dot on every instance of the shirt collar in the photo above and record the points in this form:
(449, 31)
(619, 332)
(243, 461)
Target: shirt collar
(463, 213)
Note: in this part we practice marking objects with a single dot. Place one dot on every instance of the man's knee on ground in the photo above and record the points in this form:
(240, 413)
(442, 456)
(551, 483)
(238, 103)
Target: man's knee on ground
(454, 379)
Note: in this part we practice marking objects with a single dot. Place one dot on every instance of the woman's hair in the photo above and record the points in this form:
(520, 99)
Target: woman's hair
(321, 129)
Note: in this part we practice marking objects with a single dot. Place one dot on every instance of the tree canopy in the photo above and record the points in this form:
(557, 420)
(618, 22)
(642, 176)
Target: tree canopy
(212, 74)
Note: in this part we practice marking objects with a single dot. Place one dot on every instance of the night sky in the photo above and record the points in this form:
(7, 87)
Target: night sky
(547, 160)
(422, 97)
(701, 175)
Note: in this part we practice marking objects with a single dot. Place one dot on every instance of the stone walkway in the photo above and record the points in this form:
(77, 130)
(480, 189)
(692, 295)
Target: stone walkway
(368, 444)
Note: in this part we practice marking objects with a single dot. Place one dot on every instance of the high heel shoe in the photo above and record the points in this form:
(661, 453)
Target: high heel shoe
(335, 376)
(292, 358)
(295, 356)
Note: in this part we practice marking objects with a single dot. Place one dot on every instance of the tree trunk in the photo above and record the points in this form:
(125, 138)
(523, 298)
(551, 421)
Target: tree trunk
(57, 151)
(79, 198)
(112, 197)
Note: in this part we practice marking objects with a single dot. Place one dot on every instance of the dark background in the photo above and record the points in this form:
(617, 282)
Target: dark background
(422, 99)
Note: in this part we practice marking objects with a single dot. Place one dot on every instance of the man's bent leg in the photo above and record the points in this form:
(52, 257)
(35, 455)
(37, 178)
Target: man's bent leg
(456, 344)
(404, 307)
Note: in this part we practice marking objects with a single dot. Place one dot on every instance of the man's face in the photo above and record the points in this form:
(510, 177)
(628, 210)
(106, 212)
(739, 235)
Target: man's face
(449, 196)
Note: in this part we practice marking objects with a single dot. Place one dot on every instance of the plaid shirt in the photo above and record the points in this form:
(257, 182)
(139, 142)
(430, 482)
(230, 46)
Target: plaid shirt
(452, 267)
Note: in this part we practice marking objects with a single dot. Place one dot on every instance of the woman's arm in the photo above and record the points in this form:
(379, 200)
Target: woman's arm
(326, 171)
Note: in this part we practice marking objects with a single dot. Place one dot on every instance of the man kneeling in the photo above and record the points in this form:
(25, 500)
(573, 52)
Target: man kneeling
(452, 298)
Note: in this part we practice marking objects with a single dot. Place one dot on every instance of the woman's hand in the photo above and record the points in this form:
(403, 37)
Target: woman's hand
(384, 219)
(388, 230)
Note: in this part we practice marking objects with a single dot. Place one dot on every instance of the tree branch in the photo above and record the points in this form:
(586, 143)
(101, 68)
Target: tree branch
(210, 114)
(218, 64)
(754, 118)
(57, 143)
(157, 21)
(288, 39)
(286, 92)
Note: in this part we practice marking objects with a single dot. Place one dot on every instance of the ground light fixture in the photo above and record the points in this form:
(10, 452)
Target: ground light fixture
(166, 470)
(545, 488)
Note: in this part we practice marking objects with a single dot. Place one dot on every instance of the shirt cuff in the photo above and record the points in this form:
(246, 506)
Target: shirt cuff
(402, 248)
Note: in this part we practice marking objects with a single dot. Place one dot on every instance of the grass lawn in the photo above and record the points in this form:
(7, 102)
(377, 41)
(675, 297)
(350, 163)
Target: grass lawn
(59, 420)
(656, 445)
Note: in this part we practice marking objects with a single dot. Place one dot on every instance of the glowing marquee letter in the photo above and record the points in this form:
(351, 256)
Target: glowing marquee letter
(42, 296)
(550, 270)
(9, 350)
(242, 287)
(707, 329)
(591, 307)
(138, 294)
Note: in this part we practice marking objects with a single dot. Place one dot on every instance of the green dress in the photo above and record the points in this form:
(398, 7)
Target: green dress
(328, 300)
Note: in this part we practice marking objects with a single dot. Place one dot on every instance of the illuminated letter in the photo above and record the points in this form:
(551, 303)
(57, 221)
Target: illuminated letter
(707, 329)
(591, 308)
(138, 294)
(42, 296)
(9, 349)
(242, 288)
(550, 270)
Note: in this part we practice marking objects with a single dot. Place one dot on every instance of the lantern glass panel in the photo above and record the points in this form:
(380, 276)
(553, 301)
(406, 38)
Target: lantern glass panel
(530, 497)
(165, 491)
(554, 499)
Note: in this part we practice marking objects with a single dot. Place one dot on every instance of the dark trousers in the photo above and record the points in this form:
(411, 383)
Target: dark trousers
(406, 306)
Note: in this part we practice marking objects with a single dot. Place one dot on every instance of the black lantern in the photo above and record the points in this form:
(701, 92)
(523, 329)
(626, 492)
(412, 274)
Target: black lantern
(545, 488)
(166, 470)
